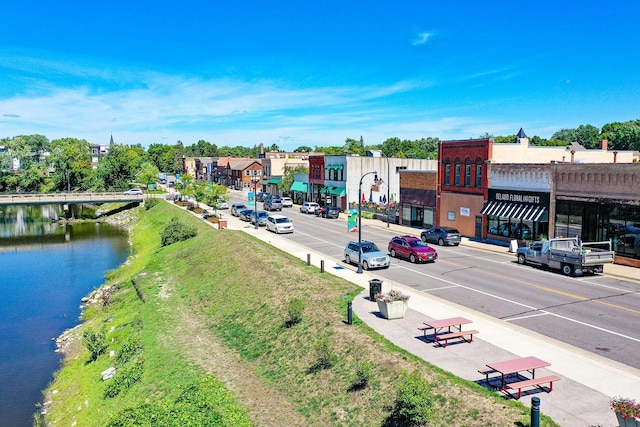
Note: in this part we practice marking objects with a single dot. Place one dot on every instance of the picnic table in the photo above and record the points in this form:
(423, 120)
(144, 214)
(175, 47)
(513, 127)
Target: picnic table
(516, 366)
(452, 322)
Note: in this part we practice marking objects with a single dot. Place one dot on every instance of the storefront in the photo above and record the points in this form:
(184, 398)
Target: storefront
(517, 214)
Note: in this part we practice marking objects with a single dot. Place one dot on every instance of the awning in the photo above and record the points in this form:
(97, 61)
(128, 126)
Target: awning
(298, 186)
(264, 182)
(335, 167)
(515, 211)
(324, 190)
(338, 191)
(275, 181)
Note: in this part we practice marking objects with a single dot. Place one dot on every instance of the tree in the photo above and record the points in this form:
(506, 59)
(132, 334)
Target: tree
(303, 149)
(119, 169)
(148, 174)
(622, 136)
(352, 146)
(72, 163)
(587, 136)
(163, 157)
(289, 175)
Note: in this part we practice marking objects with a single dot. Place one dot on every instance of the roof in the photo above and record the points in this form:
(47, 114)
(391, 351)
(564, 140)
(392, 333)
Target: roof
(521, 134)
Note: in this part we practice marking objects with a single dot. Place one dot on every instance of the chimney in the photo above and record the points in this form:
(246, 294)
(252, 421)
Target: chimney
(615, 155)
(573, 152)
(604, 144)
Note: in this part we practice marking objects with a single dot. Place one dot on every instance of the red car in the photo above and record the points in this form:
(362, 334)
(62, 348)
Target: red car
(412, 248)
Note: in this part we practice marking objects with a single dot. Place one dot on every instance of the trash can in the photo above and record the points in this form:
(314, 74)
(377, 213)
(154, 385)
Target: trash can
(375, 287)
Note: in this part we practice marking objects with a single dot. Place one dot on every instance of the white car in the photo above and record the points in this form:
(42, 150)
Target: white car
(309, 207)
(133, 192)
(279, 224)
(222, 204)
(287, 202)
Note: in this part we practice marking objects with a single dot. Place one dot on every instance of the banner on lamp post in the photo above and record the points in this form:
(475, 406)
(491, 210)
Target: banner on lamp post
(352, 220)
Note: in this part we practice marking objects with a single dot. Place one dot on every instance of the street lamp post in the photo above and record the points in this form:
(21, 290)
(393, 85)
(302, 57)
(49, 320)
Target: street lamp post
(255, 181)
(359, 271)
(388, 187)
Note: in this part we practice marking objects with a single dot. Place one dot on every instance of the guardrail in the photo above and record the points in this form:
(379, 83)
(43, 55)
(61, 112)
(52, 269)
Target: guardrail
(66, 198)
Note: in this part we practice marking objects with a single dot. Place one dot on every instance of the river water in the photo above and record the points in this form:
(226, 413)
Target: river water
(45, 270)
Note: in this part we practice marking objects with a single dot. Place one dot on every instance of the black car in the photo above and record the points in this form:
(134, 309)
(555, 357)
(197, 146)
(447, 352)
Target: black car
(441, 236)
(328, 212)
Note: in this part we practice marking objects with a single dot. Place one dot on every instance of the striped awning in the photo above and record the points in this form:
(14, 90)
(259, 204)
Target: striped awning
(515, 211)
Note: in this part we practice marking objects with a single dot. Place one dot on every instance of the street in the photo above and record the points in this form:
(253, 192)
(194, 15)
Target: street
(598, 313)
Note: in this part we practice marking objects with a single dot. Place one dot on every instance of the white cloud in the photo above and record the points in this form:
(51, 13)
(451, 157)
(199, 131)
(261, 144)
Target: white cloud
(421, 38)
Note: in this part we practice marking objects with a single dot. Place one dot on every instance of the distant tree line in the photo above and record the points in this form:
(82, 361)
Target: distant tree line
(32, 163)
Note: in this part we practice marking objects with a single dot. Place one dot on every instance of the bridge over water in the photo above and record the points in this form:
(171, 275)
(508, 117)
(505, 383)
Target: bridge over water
(67, 198)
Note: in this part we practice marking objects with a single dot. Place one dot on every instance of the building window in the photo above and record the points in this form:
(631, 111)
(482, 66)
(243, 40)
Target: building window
(467, 176)
(457, 183)
(447, 175)
(247, 172)
(478, 176)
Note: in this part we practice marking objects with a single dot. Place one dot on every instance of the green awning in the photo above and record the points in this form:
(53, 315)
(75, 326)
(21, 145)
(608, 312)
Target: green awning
(324, 190)
(338, 191)
(264, 182)
(336, 167)
(275, 181)
(298, 186)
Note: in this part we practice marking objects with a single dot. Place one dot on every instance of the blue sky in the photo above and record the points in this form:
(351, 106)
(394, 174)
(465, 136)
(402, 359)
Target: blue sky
(314, 73)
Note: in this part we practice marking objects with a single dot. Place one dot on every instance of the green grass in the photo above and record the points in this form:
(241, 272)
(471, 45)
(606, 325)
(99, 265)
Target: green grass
(213, 289)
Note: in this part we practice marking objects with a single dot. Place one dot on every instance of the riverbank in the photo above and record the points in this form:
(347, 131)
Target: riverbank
(197, 320)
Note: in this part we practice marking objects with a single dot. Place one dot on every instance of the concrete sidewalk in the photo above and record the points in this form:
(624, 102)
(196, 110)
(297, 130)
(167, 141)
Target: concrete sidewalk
(580, 399)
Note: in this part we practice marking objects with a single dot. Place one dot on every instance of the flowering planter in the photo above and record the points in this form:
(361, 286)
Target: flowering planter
(392, 309)
(629, 422)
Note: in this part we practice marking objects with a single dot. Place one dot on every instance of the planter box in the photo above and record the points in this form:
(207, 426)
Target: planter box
(393, 309)
(631, 422)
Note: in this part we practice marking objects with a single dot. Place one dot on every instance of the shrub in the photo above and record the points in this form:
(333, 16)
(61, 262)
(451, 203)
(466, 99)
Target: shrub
(295, 309)
(95, 342)
(125, 378)
(364, 373)
(414, 401)
(177, 231)
(150, 202)
(324, 353)
(129, 348)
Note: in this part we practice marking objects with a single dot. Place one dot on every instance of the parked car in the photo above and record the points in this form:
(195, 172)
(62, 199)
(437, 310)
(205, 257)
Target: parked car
(279, 224)
(309, 207)
(412, 248)
(236, 208)
(260, 196)
(222, 204)
(372, 256)
(261, 217)
(441, 236)
(330, 212)
(133, 192)
(245, 214)
(287, 202)
(272, 204)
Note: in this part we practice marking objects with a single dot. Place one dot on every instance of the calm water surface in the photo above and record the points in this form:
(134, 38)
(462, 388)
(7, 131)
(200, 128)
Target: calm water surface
(43, 277)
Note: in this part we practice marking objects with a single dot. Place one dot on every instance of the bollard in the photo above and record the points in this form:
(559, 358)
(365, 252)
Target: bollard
(308, 260)
(349, 313)
(535, 412)
(321, 266)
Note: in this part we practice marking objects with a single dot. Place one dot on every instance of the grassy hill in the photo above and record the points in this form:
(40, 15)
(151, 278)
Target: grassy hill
(225, 330)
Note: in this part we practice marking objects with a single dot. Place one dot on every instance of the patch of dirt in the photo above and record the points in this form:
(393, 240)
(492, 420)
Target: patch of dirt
(266, 407)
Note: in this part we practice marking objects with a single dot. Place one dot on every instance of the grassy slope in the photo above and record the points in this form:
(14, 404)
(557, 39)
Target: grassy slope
(212, 306)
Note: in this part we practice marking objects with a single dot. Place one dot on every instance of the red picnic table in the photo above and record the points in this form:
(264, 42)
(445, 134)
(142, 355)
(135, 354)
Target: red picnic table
(452, 322)
(515, 366)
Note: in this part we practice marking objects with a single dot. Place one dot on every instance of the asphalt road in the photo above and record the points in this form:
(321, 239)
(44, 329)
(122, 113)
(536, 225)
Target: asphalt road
(600, 314)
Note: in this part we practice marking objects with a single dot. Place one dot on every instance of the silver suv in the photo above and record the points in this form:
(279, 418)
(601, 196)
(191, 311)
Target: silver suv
(272, 204)
(372, 256)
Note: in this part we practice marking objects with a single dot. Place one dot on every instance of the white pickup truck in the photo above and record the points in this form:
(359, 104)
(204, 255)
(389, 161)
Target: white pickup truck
(570, 255)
